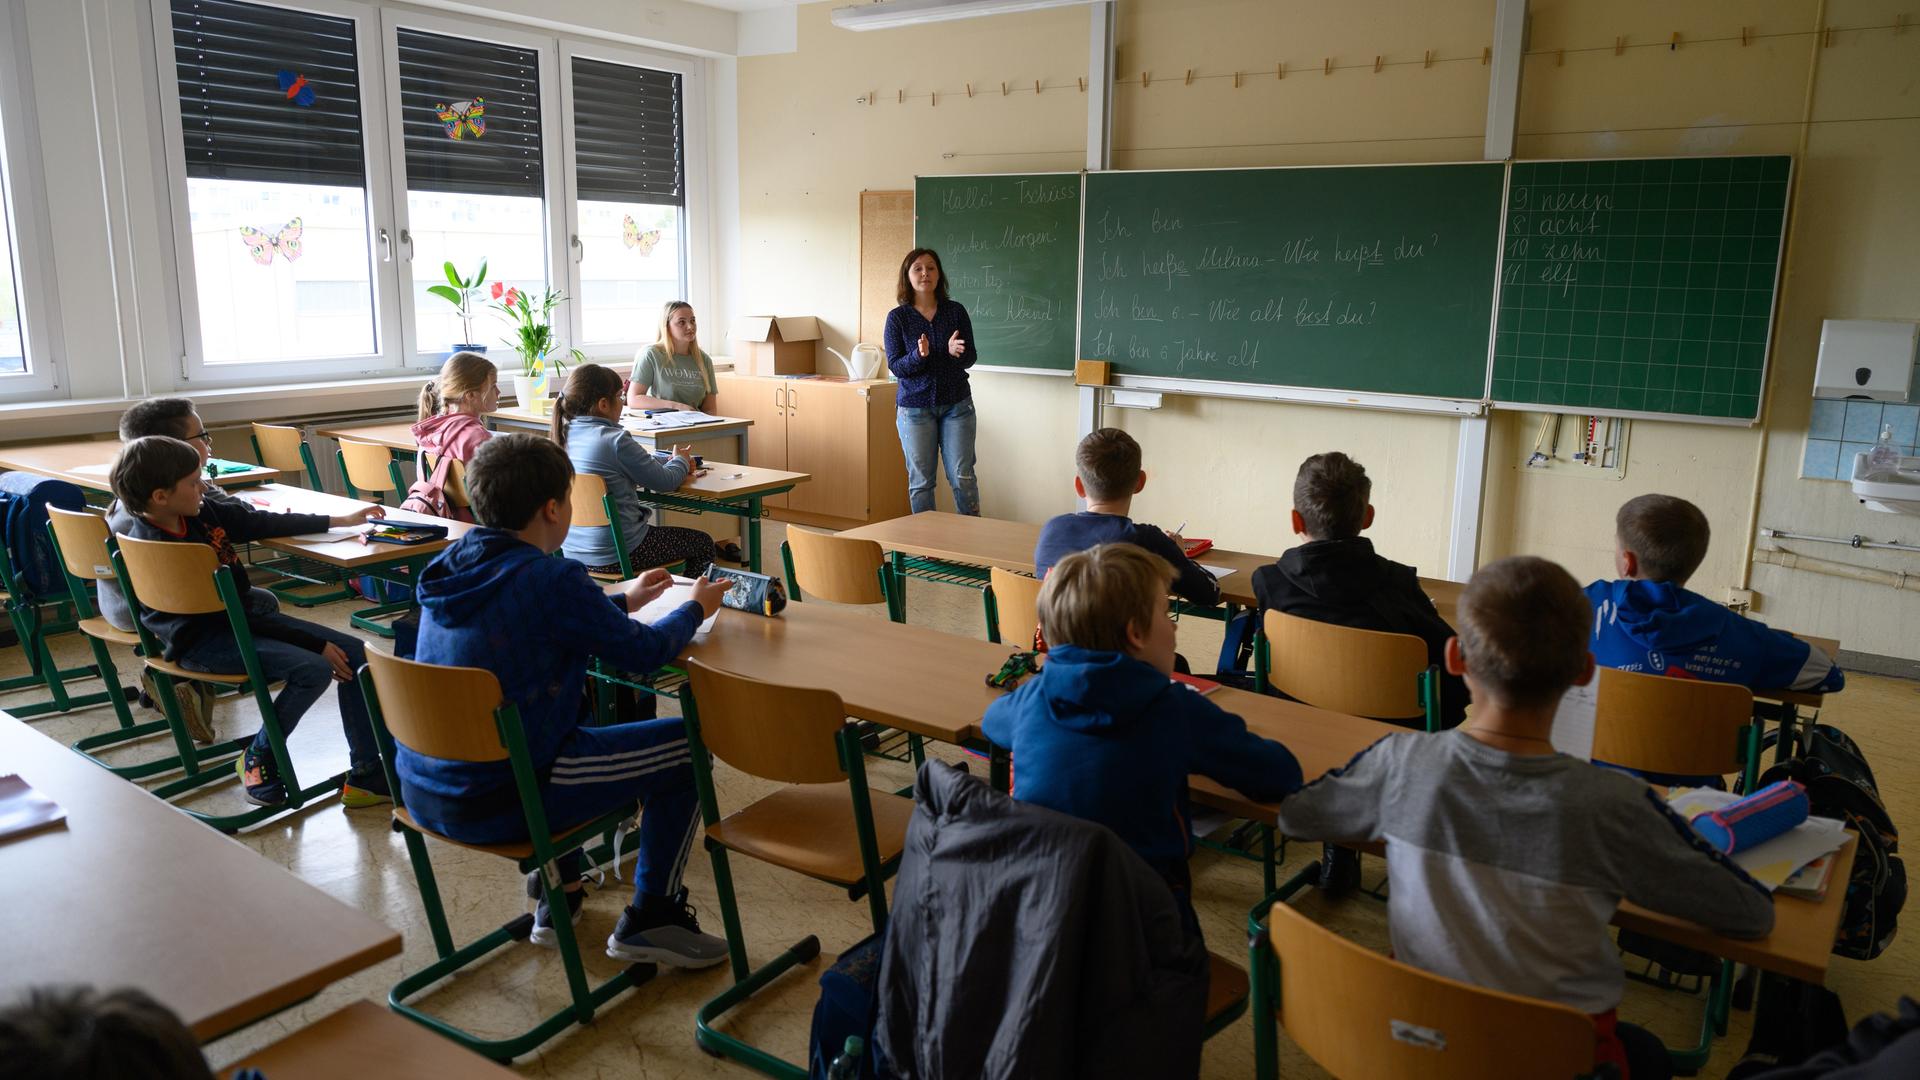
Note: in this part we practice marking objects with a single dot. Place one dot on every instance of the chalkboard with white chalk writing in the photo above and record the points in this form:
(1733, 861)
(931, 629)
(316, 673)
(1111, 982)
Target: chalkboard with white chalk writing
(1011, 248)
(1362, 278)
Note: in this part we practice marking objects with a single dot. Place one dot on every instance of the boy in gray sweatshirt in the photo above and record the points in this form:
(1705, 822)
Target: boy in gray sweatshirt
(1508, 859)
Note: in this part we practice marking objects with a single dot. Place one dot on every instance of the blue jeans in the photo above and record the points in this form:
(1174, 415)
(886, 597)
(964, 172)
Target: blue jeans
(944, 431)
(307, 676)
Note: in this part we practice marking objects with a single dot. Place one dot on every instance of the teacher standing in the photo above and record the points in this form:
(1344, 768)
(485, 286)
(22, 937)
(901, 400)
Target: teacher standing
(929, 342)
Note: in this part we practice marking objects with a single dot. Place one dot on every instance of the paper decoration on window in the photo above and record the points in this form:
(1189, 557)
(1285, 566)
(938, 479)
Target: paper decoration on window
(464, 118)
(296, 88)
(631, 235)
(262, 245)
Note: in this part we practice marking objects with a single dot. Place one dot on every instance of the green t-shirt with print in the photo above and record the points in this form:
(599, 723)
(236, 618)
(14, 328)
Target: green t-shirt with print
(685, 379)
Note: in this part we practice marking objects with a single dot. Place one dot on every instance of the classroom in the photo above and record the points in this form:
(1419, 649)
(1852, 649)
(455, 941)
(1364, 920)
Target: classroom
(1045, 465)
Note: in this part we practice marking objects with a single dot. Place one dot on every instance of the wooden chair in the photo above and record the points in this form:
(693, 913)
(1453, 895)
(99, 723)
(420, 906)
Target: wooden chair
(1679, 728)
(370, 472)
(850, 837)
(844, 571)
(364, 1039)
(285, 448)
(459, 714)
(593, 509)
(1359, 672)
(1013, 607)
(187, 579)
(1364, 1016)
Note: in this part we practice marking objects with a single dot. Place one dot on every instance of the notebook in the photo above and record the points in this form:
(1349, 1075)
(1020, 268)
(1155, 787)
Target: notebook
(24, 810)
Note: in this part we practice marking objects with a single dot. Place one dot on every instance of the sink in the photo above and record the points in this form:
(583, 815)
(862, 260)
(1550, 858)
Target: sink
(1890, 493)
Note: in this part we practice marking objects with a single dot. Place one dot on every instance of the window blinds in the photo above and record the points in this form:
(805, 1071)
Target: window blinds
(626, 134)
(487, 93)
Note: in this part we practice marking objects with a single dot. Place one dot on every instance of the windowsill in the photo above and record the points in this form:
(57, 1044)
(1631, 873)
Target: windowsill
(43, 420)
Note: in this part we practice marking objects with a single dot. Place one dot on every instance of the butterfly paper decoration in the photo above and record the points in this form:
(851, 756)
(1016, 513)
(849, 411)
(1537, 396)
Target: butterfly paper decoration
(464, 117)
(296, 88)
(261, 245)
(631, 236)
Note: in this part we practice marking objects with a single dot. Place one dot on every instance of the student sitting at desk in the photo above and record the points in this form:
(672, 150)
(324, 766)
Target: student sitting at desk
(494, 600)
(1105, 733)
(674, 372)
(156, 482)
(1507, 858)
(1647, 620)
(449, 428)
(586, 420)
(1108, 475)
(175, 418)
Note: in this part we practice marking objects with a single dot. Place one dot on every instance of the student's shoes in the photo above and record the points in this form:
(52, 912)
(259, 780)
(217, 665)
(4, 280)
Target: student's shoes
(730, 552)
(543, 934)
(196, 707)
(362, 790)
(1339, 870)
(259, 779)
(663, 930)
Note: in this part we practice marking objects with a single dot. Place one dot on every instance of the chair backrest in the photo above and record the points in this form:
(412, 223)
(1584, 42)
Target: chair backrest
(1361, 672)
(442, 712)
(1016, 605)
(455, 488)
(172, 577)
(278, 447)
(1655, 723)
(1363, 1015)
(82, 538)
(834, 568)
(589, 500)
(783, 733)
(366, 465)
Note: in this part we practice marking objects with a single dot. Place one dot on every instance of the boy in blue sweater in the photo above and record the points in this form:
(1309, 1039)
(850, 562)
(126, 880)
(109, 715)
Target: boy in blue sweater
(1647, 621)
(1105, 733)
(1108, 475)
(495, 599)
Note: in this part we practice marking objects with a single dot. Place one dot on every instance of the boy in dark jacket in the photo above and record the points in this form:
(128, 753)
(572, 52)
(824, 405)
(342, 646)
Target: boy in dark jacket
(1107, 464)
(496, 599)
(1336, 577)
(1105, 733)
(161, 495)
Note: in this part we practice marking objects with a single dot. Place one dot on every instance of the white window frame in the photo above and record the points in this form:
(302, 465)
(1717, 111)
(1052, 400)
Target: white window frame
(25, 207)
(693, 216)
(387, 359)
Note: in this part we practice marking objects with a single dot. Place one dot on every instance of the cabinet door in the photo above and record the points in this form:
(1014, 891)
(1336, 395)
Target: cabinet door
(761, 401)
(827, 438)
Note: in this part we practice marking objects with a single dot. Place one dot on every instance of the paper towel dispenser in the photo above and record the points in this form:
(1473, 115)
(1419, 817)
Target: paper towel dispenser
(1865, 358)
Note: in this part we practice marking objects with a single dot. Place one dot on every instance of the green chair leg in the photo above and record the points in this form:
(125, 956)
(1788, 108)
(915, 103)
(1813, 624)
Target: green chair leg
(992, 607)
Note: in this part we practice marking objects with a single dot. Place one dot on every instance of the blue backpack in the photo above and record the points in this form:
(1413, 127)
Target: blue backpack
(24, 498)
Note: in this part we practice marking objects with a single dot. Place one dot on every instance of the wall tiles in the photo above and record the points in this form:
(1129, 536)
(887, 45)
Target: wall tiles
(1863, 421)
(1829, 416)
(1820, 460)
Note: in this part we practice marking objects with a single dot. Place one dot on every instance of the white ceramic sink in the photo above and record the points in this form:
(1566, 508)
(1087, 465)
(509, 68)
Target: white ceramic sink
(1889, 493)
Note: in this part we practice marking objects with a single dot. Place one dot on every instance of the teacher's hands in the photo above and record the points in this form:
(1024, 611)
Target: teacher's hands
(956, 345)
(925, 346)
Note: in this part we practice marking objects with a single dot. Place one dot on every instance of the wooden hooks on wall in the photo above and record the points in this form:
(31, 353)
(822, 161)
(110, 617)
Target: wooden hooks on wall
(1236, 80)
(1429, 59)
(1378, 60)
(1826, 37)
(1326, 67)
(1146, 79)
(1674, 45)
(1746, 36)
(1083, 84)
(1619, 45)
(901, 99)
(1560, 58)
(1486, 55)
(935, 97)
(1036, 88)
(1189, 81)
(969, 89)
(1280, 70)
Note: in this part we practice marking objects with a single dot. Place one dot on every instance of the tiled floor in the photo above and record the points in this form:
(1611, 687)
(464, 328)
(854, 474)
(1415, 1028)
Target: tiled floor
(649, 1033)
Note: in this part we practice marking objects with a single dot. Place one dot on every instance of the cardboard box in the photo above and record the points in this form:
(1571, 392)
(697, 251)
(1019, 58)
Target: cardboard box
(775, 344)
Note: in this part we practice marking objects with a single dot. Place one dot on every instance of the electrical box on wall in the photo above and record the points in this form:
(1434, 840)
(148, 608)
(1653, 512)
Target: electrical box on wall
(1865, 358)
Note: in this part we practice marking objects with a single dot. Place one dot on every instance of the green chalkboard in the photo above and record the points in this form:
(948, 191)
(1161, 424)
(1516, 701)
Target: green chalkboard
(1364, 278)
(1010, 245)
(1640, 286)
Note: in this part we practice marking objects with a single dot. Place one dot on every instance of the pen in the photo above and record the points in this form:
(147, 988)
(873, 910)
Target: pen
(1182, 530)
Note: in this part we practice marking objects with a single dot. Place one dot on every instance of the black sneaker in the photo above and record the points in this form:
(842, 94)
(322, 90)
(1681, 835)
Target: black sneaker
(1339, 870)
(663, 930)
(543, 919)
(259, 778)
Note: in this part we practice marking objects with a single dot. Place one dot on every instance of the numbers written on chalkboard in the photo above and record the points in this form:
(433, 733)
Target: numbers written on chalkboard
(1565, 223)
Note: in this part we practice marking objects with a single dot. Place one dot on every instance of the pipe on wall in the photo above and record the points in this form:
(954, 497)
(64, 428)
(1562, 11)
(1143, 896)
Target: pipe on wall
(1893, 579)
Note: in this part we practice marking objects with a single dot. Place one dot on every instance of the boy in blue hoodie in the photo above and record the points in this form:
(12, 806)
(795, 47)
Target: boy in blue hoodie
(1647, 621)
(495, 599)
(1106, 734)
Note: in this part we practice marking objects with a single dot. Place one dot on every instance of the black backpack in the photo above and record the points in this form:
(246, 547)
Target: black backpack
(1840, 785)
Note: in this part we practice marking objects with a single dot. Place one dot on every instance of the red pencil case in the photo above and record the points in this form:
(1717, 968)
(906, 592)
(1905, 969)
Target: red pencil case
(1196, 547)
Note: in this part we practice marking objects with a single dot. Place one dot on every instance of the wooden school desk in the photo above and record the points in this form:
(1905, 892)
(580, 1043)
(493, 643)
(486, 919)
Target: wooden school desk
(86, 463)
(131, 892)
(367, 1040)
(727, 434)
(338, 547)
(735, 490)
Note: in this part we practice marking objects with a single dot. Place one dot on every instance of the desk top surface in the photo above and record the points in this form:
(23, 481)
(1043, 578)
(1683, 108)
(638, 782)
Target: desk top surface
(88, 463)
(514, 414)
(131, 892)
(342, 547)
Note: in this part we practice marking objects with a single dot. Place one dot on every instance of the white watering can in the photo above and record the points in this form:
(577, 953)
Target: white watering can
(865, 363)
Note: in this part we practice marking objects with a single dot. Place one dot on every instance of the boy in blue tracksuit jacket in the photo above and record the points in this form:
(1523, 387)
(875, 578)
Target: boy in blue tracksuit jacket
(1649, 622)
(496, 599)
(1104, 733)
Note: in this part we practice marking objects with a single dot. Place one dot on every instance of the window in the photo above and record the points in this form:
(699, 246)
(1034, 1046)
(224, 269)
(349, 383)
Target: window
(13, 343)
(630, 175)
(29, 340)
(276, 183)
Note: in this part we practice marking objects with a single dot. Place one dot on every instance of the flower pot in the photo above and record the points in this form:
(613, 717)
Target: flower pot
(523, 392)
(481, 349)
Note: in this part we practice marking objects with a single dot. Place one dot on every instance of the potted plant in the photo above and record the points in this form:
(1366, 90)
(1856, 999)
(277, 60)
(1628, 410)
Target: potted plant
(461, 292)
(532, 337)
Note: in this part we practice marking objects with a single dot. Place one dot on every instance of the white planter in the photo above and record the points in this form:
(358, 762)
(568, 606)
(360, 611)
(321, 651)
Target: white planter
(523, 391)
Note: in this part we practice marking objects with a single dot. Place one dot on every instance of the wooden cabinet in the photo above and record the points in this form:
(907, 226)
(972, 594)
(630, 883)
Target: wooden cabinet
(841, 433)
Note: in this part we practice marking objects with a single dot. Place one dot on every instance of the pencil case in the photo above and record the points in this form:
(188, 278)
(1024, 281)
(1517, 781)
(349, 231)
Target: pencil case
(1196, 547)
(1754, 820)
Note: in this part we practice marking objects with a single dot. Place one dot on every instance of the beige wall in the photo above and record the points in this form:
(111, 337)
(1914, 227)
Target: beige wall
(1225, 466)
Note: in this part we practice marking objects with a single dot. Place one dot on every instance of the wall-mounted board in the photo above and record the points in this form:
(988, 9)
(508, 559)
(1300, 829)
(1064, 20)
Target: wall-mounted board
(1011, 248)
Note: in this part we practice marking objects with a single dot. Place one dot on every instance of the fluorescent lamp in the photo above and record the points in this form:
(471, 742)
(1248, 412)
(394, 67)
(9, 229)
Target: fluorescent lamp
(891, 13)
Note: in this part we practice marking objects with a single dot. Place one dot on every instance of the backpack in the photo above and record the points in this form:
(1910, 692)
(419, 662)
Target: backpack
(849, 1001)
(24, 498)
(1840, 785)
(429, 495)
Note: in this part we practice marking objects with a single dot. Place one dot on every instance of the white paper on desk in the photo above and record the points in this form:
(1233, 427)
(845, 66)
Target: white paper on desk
(1218, 572)
(664, 605)
(1573, 721)
(1778, 859)
(24, 810)
(93, 470)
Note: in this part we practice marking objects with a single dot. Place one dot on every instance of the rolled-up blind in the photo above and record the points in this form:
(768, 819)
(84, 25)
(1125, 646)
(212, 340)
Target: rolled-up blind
(486, 92)
(626, 133)
(240, 122)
